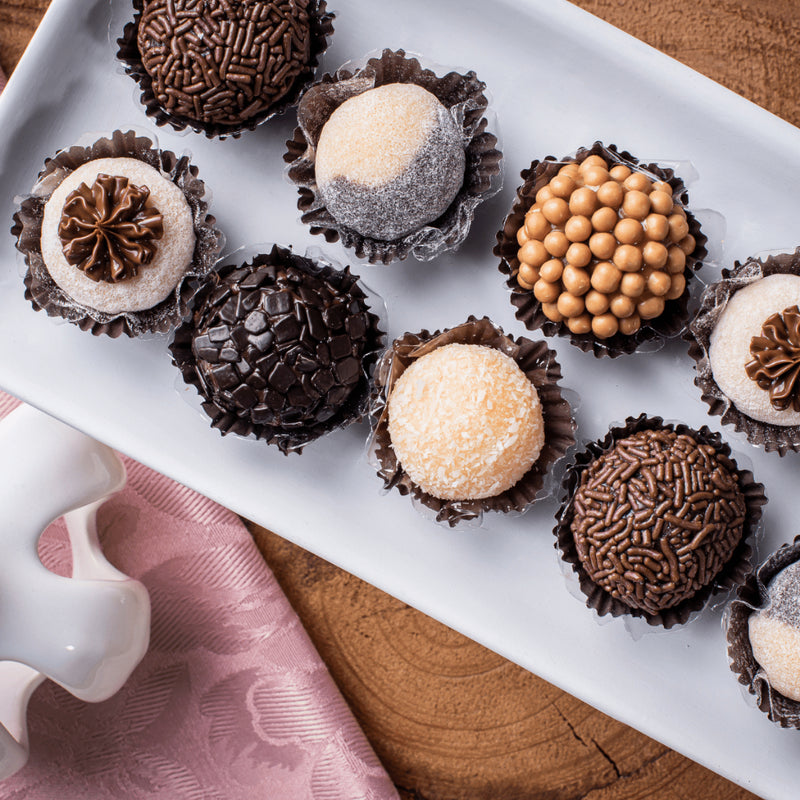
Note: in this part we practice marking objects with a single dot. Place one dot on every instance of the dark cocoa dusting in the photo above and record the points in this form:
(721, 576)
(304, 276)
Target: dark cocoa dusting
(784, 596)
(223, 62)
(656, 519)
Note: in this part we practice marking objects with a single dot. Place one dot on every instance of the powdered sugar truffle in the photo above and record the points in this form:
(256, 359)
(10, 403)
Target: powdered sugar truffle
(389, 161)
(465, 422)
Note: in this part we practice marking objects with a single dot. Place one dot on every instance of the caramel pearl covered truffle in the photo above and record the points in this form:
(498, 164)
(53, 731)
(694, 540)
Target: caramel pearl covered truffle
(613, 227)
(390, 160)
(465, 422)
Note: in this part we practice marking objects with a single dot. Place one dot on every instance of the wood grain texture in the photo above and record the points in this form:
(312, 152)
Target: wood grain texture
(449, 719)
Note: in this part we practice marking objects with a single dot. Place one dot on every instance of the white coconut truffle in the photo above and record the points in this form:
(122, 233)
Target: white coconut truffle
(389, 160)
(775, 633)
(154, 281)
(742, 319)
(465, 422)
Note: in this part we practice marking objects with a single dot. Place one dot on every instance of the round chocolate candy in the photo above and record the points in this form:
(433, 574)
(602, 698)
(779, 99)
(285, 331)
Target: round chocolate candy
(279, 347)
(656, 518)
(223, 63)
(390, 160)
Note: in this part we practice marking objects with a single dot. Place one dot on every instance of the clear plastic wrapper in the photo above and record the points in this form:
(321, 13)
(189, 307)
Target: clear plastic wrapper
(465, 98)
(652, 332)
(539, 365)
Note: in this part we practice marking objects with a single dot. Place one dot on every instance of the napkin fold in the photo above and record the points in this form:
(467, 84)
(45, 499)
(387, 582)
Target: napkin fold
(231, 700)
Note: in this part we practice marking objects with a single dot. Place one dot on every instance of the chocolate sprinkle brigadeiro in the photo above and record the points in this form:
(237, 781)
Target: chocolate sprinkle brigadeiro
(222, 62)
(656, 518)
(279, 348)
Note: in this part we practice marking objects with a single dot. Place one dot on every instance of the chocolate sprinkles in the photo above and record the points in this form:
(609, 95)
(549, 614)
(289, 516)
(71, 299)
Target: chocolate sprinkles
(656, 518)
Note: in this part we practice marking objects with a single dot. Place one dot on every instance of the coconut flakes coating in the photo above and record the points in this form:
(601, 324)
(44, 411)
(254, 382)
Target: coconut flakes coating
(465, 422)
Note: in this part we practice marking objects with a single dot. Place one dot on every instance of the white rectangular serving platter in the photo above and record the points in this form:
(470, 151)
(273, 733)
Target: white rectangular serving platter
(559, 79)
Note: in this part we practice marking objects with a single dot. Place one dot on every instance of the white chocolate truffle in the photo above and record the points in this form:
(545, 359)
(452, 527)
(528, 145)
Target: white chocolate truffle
(465, 422)
(742, 319)
(775, 633)
(389, 160)
(156, 280)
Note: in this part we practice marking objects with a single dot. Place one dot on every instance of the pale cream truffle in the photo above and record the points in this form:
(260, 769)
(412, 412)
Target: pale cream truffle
(465, 422)
(742, 319)
(389, 160)
(156, 280)
(775, 633)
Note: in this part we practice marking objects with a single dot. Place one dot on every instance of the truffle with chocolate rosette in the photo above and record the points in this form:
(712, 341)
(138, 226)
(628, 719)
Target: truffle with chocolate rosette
(601, 248)
(657, 518)
(393, 159)
(111, 234)
(745, 340)
(468, 420)
(221, 67)
(279, 347)
(763, 632)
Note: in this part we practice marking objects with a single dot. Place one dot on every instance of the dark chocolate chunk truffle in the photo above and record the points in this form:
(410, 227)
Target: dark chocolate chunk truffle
(656, 518)
(222, 62)
(390, 160)
(279, 347)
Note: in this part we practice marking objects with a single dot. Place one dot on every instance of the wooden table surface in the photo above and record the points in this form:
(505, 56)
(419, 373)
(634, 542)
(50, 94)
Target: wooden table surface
(448, 718)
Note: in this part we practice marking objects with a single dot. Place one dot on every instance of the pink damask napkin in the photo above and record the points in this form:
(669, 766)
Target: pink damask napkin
(231, 701)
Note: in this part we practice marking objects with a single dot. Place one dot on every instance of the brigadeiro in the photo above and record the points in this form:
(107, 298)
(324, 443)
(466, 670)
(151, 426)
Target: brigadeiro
(469, 420)
(392, 159)
(219, 67)
(113, 233)
(763, 631)
(745, 341)
(657, 517)
(601, 249)
(279, 347)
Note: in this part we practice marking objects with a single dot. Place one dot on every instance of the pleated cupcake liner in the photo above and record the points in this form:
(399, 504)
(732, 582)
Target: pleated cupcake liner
(540, 367)
(529, 310)
(40, 288)
(773, 438)
(734, 569)
(462, 94)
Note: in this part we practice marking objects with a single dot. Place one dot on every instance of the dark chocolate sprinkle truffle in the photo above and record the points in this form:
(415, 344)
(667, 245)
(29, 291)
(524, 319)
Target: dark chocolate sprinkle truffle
(279, 347)
(390, 160)
(656, 518)
(220, 62)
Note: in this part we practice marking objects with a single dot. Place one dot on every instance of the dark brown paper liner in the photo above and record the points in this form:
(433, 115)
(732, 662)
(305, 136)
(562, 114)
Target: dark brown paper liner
(357, 403)
(730, 575)
(483, 159)
(529, 309)
(773, 438)
(131, 58)
(42, 291)
(751, 595)
(542, 370)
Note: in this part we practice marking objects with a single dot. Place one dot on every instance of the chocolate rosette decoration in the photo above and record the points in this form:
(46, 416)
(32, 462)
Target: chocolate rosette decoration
(620, 261)
(776, 359)
(755, 598)
(280, 348)
(657, 517)
(540, 368)
(112, 229)
(372, 214)
(221, 68)
(775, 354)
